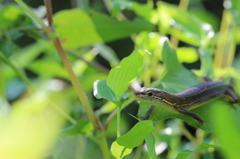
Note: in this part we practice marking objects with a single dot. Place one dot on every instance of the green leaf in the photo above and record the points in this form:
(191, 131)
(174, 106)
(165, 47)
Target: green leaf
(187, 54)
(203, 146)
(8, 48)
(175, 78)
(206, 16)
(140, 9)
(125, 73)
(125, 143)
(79, 28)
(150, 142)
(13, 34)
(227, 123)
(56, 70)
(183, 25)
(101, 90)
(81, 127)
(26, 55)
(9, 16)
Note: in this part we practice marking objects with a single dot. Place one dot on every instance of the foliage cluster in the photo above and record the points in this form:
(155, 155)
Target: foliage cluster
(57, 100)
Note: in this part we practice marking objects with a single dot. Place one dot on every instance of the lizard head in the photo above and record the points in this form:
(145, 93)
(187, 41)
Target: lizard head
(149, 94)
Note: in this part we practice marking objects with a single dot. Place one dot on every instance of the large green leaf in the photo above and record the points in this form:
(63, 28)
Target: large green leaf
(125, 143)
(79, 28)
(183, 25)
(125, 73)
(175, 78)
(227, 124)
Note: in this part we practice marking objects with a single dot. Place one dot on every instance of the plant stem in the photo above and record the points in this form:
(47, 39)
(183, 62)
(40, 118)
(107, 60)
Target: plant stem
(76, 84)
(118, 121)
(32, 15)
(113, 114)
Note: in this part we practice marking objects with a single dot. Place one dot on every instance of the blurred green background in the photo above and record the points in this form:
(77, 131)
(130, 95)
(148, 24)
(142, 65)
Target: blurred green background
(36, 93)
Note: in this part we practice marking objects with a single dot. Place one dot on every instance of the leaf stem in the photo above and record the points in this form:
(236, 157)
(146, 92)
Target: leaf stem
(114, 113)
(118, 121)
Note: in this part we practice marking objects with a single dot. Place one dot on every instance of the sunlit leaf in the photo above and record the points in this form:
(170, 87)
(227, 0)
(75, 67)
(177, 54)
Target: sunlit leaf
(148, 41)
(125, 143)
(187, 54)
(9, 15)
(125, 73)
(79, 28)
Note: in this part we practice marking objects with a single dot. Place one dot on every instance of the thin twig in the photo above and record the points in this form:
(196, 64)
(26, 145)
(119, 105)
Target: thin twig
(114, 113)
(49, 13)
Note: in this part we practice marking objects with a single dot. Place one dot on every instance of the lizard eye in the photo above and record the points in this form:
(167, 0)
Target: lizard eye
(149, 94)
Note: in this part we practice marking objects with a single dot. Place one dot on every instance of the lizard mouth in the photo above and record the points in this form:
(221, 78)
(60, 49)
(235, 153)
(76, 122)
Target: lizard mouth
(139, 96)
(136, 93)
